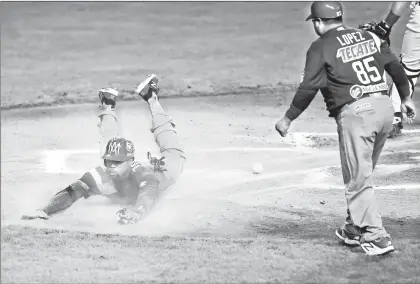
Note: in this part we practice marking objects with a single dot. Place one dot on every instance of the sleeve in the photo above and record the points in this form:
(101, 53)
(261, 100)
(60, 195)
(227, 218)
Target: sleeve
(314, 78)
(148, 184)
(90, 183)
(144, 174)
(83, 187)
(301, 101)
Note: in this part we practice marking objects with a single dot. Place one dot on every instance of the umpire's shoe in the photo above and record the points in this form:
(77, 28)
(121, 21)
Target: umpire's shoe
(108, 97)
(148, 88)
(350, 235)
(396, 125)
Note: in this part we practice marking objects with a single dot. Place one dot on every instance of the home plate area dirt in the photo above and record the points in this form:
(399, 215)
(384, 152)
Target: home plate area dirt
(218, 194)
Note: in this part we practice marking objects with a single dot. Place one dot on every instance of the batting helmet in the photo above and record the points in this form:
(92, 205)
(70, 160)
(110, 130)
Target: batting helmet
(119, 149)
(325, 10)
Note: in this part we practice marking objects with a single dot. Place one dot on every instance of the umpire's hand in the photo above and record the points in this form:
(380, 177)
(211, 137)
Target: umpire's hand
(283, 125)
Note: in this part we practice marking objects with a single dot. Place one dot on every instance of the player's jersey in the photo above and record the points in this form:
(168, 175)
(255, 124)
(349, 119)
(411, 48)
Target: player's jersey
(98, 182)
(413, 23)
(346, 63)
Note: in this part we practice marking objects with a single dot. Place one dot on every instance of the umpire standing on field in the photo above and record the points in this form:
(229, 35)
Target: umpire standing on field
(348, 65)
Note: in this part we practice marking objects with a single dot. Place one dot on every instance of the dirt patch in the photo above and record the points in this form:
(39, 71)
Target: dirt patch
(316, 141)
(290, 210)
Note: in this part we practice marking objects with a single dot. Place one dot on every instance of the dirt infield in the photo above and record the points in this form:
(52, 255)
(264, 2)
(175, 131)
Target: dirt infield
(299, 196)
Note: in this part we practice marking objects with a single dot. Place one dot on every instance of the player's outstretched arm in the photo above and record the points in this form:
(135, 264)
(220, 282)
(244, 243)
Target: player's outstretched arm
(59, 202)
(83, 187)
(148, 196)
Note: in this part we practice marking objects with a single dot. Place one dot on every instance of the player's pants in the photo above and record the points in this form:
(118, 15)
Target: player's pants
(410, 57)
(363, 127)
(165, 136)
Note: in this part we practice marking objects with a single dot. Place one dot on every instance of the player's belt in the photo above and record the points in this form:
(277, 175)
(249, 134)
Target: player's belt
(369, 95)
(337, 110)
(373, 95)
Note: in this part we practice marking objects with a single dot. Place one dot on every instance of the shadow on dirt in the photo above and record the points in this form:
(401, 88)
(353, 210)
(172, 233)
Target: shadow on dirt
(316, 227)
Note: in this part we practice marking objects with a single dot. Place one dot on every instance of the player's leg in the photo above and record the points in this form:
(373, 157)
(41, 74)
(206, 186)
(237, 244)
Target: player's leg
(355, 128)
(396, 103)
(165, 134)
(372, 242)
(410, 51)
(107, 119)
(349, 233)
(380, 140)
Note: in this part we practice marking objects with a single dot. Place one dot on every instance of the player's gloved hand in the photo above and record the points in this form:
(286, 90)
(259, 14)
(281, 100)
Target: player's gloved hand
(158, 164)
(130, 215)
(37, 214)
(382, 29)
(408, 108)
(282, 126)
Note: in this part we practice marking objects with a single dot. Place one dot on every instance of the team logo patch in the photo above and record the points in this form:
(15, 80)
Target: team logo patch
(356, 91)
(114, 148)
(130, 147)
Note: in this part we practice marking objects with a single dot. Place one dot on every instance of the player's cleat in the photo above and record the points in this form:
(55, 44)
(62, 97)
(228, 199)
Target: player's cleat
(379, 246)
(396, 125)
(349, 235)
(108, 97)
(148, 87)
(37, 214)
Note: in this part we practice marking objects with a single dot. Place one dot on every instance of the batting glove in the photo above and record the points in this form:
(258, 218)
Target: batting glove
(127, 216)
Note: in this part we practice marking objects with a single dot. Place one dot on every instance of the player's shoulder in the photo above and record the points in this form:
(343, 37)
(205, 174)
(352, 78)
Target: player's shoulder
(316, 49)
(138, 168)
(95, 176)
(142, 173)
(317, 44)
(99, 170)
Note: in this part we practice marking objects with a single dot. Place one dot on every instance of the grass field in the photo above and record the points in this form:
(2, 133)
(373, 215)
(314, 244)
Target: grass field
(220, 223)
(63, 52)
